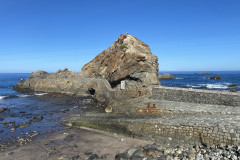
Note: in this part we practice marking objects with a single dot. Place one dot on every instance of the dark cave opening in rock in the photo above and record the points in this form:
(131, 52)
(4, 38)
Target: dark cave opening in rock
(91, 91)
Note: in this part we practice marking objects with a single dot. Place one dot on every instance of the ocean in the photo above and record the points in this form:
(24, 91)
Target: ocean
(32, 115)
(18, 120)
(200, 81)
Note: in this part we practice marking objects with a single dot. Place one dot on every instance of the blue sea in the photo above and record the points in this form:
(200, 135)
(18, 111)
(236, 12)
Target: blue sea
(200, 81)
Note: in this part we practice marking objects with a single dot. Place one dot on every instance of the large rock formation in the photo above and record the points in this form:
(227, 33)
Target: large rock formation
(129, 59)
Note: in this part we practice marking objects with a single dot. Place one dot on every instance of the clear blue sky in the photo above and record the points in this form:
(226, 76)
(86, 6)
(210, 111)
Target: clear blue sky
(186, 35)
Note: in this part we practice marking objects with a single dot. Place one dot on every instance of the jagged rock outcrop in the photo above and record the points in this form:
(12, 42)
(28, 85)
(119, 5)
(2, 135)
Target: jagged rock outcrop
(129, 59)
(217, 77)
(166, 76)
(38, 74)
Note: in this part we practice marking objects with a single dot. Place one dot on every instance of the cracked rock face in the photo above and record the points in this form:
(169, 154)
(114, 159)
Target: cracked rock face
(129, 59)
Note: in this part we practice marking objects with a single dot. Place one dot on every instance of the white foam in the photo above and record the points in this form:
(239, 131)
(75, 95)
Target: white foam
(2, 97)
(40, 94)
(193, 86)
(210, 86)
(217, 86)
(23, 95)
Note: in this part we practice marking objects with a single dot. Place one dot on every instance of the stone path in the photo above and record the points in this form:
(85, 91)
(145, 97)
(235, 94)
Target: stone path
(211, 124)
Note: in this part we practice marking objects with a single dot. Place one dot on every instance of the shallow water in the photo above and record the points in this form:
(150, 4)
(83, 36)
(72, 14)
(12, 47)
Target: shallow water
(25, 106)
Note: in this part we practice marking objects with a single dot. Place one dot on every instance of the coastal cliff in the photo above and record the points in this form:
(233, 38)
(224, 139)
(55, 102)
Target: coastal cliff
(127, 60)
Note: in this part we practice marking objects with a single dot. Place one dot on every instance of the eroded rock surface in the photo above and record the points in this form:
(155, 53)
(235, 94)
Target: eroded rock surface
(166, 76)
(129, 59)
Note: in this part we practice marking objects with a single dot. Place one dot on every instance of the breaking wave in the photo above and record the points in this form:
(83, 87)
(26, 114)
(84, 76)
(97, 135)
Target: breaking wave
(2, 97)
(210, 86)
(217, 86)
(23, 95)
(39, 94)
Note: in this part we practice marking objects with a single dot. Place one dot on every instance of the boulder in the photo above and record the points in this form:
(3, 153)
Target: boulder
(216, 77)
(166, 76)
(233, 90)
(38, 74)
(128, 59)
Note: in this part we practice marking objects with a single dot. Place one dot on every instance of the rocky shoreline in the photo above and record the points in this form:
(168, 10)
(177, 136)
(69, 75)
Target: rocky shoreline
(74, 144)
(40, 116)
(156, 151)
(125, 79)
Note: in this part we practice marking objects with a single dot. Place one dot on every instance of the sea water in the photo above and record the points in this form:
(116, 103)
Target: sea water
(202, 81)
(22, 107)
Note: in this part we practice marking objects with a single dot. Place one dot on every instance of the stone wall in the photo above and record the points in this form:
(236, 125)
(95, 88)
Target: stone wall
(196, 134)
(196, 96)
(166, 132)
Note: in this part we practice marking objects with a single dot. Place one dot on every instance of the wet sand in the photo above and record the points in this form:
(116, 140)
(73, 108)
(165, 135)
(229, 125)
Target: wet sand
(71, 142)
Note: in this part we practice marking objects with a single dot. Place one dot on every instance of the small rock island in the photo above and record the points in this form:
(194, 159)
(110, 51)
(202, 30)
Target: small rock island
(166, 76)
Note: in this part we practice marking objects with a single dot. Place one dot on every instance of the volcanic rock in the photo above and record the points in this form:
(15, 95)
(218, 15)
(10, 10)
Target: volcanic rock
(166, 76)
(129, 59)
(216, 77)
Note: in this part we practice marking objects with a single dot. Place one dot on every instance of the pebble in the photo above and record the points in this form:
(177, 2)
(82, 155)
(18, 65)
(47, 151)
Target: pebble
(132, 150)
(75, 157)
(148, 152)
(93, 157)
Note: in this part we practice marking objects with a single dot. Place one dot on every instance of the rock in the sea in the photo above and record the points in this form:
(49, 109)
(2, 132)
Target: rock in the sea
(24, 125)
(36, 119)
(128, 59)
(166, 76)
(127, 64)
(216, 77)
(2, 109)
(232, 85)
